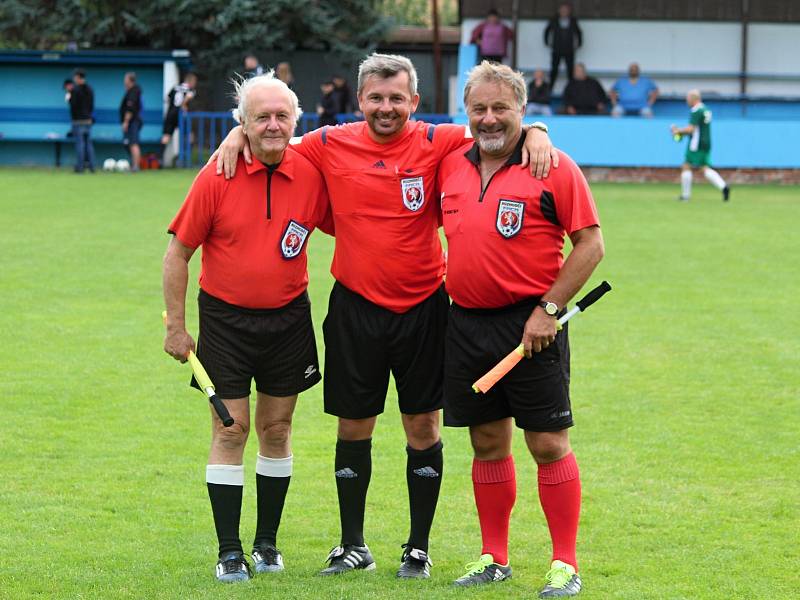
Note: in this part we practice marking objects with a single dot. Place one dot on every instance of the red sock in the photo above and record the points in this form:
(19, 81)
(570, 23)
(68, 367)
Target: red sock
(560, 495)
(495, 485)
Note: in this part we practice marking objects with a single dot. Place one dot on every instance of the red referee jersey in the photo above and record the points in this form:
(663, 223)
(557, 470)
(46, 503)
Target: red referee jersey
(505, 241)
(254, 229)
(385, 208)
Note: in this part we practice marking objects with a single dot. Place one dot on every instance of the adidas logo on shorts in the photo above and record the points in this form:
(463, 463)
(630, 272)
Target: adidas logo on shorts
(346, 473)
(426, 472)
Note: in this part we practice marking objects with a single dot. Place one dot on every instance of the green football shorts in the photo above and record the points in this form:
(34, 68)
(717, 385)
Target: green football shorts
(698, 158)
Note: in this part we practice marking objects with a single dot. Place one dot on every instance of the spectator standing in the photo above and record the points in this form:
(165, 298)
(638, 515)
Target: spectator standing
(252, 67)
(538, 95)
(81, 108)
(584, 95)
(343, 99)
(492, 37)
(633, 95)
(283, 71)
(326, 109)
(177, 100)
(564, 36)
(130, 116)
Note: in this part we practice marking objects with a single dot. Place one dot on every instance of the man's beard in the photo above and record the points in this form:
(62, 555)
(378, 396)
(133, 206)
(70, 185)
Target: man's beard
(492, 145)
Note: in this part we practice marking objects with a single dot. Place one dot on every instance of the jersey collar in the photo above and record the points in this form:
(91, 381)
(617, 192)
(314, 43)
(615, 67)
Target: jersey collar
(473, 155)
(286, 167)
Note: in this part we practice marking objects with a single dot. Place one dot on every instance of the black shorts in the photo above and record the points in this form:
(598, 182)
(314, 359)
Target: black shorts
(364, 342)
(535, 392)
(131, 137)
(170, 121)
(276, 347)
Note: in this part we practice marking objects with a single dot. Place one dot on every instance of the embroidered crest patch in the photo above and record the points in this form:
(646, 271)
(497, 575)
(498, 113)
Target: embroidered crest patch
(510, 214)
(413, 193)
(293, 239)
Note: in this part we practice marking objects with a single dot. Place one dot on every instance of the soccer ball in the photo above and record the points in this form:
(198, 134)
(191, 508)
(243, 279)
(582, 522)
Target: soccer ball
(109, 164)
(123, 165)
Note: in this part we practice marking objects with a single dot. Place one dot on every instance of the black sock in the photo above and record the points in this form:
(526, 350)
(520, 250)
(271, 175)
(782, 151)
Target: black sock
(272, 483)
(226, 504)
(424, 477)
(353, 471)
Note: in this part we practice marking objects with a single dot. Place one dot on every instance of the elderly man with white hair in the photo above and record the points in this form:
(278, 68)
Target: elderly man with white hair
(255, 314)
(509, 282)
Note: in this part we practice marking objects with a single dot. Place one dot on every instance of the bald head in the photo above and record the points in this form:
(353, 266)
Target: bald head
(693, 97)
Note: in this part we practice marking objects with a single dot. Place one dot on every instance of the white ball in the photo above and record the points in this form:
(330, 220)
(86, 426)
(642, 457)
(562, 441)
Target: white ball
(109, 164)
(123, 165)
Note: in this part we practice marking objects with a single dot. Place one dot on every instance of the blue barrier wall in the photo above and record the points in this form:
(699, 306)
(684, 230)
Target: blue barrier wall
(638, 142)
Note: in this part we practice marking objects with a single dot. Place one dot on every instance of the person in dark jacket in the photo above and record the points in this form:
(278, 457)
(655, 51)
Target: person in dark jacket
(584, 95)
(81, 109)
(538, 95)
(563, 35)
(130, 118)
(326, 109)
(343, 98)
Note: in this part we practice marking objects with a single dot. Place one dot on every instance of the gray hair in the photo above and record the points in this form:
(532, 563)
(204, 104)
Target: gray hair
(243, 87)
(490, 72)
(384, 66)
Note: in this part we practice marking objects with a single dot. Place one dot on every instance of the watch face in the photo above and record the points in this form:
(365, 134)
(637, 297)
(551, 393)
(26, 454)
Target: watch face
(551, 308)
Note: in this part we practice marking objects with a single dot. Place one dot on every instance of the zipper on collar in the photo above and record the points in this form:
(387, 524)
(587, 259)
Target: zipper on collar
(269, 194)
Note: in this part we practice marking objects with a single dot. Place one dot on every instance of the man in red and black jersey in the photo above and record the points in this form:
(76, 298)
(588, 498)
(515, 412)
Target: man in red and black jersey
(388, 308)
(509, 281)
(255, 315)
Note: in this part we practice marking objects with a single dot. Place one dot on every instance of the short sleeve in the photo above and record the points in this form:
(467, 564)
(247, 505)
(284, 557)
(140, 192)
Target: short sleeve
(575, 206)
(449, 137)
(616, 86)
(311, 146)
(193, 222)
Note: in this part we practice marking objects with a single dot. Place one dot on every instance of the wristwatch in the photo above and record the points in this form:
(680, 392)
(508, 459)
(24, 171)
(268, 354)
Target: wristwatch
(550, 308)
(540, 125)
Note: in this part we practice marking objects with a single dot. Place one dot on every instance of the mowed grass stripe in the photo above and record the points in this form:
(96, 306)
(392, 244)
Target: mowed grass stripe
(685, 389)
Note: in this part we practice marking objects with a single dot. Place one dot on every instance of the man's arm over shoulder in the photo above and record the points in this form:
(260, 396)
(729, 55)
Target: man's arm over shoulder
(312, 145)
(449, 137)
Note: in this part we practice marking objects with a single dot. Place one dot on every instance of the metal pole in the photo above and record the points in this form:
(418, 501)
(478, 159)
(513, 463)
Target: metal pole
(515, 25)
(743, 63)
(437, 58)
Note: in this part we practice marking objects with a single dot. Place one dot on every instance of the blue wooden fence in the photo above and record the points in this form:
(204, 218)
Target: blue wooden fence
(202, 132)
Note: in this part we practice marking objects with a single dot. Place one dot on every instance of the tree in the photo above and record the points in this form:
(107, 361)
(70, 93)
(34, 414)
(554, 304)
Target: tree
(217, 32)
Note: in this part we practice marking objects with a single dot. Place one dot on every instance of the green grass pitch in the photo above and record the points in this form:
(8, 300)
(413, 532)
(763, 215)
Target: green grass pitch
(685, 388)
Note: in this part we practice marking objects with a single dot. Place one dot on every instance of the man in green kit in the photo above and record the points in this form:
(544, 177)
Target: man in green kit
(698, 152)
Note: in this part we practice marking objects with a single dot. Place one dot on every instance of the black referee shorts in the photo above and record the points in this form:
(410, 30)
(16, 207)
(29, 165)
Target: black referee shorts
(364, 342)
(535, 392)
(274, 346)
(170, 121)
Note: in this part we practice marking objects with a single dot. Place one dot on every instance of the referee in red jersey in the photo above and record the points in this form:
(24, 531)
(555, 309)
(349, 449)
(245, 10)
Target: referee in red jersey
(509, 282)
(255, 315)
(388, 308)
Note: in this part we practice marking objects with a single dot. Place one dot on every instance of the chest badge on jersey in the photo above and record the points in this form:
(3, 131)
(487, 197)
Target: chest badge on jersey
(293, 239)
(413, 193)
(509, 217)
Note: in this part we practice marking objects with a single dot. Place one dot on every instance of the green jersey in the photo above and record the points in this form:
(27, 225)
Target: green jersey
(700, 139)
